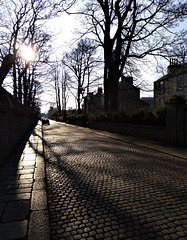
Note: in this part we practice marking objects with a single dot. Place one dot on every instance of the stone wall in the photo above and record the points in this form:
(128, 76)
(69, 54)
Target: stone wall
(173, 133)
(176, 127)
(15, 123)
(155, 133)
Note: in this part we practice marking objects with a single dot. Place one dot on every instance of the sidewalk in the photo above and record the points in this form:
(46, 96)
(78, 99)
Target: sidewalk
(23, 199)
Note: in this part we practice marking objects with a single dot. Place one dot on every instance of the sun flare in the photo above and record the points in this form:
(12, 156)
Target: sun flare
(27, 52)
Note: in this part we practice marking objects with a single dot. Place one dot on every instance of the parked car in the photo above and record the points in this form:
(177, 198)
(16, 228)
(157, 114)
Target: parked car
(45, 121)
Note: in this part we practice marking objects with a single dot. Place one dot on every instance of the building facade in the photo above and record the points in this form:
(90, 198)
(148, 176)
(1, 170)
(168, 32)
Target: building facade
(94, 101)
(174, 83)
(129, 96)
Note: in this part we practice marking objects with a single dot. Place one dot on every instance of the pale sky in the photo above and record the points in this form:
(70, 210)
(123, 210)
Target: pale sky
(65, 40)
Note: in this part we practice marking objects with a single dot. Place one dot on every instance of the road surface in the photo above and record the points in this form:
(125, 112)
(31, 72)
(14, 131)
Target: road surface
(104, 188)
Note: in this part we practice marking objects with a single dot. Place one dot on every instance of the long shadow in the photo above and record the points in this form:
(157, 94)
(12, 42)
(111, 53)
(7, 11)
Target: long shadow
(104, 211)
(162, 166)
(14, 197)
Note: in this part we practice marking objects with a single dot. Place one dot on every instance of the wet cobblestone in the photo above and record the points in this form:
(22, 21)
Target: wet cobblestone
(102, 188)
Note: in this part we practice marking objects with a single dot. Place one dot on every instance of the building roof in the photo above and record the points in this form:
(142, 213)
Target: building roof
(172, 70)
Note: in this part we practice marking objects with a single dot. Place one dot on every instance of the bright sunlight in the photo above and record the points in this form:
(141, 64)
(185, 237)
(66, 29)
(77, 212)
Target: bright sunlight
(27, 52)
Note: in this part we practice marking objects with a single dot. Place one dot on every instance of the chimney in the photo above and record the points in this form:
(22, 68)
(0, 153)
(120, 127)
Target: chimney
(99, 91)
(173, 64)
(127, 79)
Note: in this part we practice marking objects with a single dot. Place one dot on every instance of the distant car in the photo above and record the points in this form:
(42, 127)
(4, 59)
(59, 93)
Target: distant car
(45, 121)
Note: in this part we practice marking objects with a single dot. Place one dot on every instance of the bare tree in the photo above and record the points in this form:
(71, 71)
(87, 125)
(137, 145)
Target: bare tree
(23, 22)
(55, 80)
(64, 83)
(58, 80)
(81, 62)
(129, 31)
(179, 51)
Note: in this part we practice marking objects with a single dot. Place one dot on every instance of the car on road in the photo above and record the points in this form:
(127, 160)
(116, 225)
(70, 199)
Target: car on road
(45, 121)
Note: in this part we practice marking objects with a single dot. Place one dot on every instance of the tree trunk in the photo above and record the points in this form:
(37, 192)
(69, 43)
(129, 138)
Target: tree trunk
(20, 88)
(106, 93)
(30, 90)
(79, 94)
(25, 87)
(113, 90)
(111, 78)
(14, 80)
(6, 65)
(79, 100)
(59, 104)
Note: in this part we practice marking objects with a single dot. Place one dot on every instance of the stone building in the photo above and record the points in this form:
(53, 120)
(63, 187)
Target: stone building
(174, 83)
(94, 101)
(129, 96)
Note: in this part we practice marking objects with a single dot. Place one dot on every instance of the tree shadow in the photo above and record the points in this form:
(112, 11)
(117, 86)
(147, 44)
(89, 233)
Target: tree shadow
(93, 198)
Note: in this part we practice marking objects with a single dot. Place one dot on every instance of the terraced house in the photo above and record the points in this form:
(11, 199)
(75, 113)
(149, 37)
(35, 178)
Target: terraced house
(174, 83)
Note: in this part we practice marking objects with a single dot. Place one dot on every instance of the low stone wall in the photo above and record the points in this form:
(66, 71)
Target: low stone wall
(155, 133)
(15, 123)
(176, 124)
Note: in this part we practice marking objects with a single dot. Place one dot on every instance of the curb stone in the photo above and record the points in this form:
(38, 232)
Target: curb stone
(39, 218)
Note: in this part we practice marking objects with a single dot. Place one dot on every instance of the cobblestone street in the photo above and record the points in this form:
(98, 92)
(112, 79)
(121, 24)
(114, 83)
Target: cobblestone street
(104, 188)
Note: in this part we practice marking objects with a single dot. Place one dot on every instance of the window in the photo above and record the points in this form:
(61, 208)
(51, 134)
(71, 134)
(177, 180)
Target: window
(180, 83)
(161, 87)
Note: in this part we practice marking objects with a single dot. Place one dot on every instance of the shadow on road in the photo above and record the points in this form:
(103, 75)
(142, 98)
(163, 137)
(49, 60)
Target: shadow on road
(110, 190)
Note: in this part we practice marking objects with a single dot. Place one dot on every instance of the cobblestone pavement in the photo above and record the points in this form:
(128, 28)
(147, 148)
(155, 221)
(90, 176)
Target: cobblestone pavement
(102, 188)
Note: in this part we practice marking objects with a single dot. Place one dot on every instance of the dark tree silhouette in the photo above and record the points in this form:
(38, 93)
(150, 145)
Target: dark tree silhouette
(23, 22)
(81, 61)
(129, 30)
